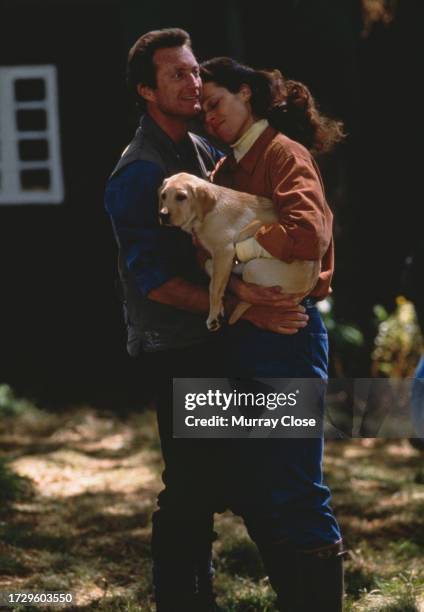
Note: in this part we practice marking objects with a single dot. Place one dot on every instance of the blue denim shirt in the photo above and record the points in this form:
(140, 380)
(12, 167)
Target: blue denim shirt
(150, 254)
(154, 254)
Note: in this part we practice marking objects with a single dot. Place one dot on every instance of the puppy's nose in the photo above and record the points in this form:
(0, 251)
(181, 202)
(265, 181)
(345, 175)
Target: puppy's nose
(164, 216)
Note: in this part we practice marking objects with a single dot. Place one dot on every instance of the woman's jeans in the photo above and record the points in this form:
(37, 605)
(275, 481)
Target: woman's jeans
(417, 399)
(276, 484)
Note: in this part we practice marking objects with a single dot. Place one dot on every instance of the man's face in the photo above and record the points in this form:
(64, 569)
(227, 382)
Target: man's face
(178, 84)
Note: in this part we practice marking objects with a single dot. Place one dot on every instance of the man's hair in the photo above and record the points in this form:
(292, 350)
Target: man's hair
(140, 66)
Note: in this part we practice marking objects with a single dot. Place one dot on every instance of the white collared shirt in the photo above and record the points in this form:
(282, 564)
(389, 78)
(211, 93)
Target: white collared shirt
(243, 144)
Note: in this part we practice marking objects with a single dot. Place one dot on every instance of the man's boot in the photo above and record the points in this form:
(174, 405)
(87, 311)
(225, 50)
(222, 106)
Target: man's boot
(280, 566)
(174, 585)
(182, 566)
(185, 586)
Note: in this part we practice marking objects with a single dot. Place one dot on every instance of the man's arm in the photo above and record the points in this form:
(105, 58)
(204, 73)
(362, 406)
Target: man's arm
(180, 293)
(150, 252)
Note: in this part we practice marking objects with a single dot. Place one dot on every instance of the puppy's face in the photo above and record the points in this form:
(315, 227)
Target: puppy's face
(183, 199)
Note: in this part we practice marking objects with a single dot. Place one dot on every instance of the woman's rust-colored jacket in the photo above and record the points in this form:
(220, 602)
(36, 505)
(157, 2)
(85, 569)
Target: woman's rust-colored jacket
(284, 171)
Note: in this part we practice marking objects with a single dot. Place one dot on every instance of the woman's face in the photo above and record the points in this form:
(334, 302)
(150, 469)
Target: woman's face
(227, 115)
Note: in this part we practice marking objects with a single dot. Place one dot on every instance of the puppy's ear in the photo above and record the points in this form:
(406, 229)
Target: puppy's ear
(204, 200)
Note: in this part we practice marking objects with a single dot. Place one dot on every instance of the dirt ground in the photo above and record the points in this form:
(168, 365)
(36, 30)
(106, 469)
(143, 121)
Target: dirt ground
(81, 522)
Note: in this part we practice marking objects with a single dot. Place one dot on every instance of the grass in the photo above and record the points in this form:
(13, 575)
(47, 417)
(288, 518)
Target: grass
(78, 490)
(12, 486)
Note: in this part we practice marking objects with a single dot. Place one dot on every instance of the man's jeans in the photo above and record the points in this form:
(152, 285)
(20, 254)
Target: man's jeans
(182, 530)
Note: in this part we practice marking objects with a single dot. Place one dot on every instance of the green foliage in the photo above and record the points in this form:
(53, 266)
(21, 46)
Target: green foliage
(11, 567)
(23, 535)
(346, 340)
(243, 595)
(241, 558)
(12, 486)
(19, 415)
(10, 405)
(119, 604)
(419, 477)
(359, 579)
(401, 591)
(380, 313)
(348, 334)
(398, 342)
(342, 335)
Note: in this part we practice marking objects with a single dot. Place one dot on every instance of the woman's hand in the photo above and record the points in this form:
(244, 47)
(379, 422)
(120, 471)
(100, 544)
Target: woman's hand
(263, 296)
(286, 321)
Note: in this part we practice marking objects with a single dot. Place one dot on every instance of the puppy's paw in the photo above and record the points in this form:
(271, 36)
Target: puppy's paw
(213, 324)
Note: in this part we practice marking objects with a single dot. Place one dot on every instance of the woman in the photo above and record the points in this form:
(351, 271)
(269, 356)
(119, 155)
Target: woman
(276, 484)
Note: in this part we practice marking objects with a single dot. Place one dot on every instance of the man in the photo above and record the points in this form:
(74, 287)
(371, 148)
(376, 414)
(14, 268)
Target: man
(166, 304)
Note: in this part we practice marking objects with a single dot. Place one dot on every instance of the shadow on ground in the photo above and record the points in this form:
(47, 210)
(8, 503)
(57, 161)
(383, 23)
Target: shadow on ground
(79, 488)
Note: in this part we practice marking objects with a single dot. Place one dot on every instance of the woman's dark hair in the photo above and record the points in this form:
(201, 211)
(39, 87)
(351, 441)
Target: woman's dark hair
(288, 105)
(141, 67)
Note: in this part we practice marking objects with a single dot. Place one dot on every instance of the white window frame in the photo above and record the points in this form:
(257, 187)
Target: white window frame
(11, 191)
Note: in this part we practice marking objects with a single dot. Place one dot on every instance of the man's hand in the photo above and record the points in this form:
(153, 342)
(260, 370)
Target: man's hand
(263, 296)
(279, 320)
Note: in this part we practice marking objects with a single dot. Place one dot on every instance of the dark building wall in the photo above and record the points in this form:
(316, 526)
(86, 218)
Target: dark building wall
(60, 322)
(58, 310)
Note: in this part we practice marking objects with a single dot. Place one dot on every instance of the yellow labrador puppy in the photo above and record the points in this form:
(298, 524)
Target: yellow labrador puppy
(220, 218)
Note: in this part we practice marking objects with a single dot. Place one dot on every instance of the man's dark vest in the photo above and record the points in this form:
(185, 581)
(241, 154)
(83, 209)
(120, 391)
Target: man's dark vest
(153, 326)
